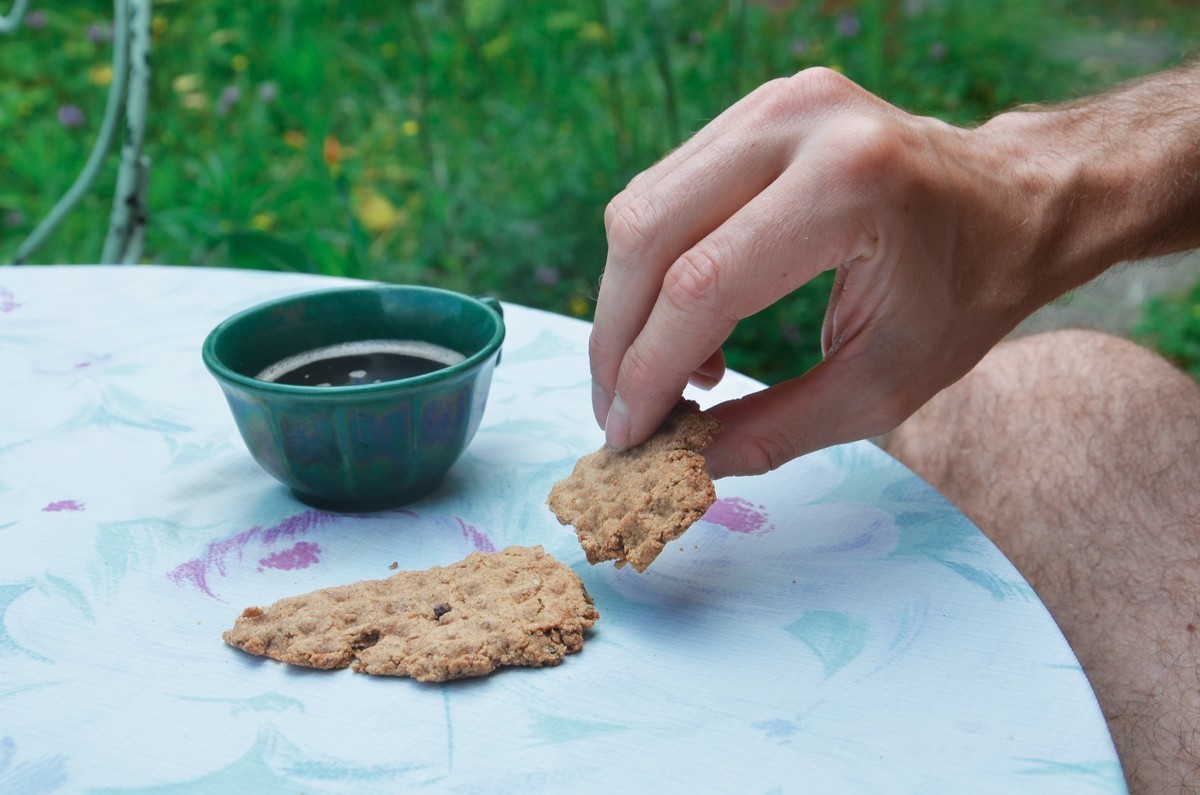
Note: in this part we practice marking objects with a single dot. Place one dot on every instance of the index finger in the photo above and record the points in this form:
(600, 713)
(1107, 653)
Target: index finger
(665, 211)
(772, 245)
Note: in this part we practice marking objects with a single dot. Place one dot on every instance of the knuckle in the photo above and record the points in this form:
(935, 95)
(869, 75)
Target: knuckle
(823, 81)
(614, 207)
(597, 347)
(813, 90)
(638, 371)
(693, 280)
(633, 225)
(764, 453)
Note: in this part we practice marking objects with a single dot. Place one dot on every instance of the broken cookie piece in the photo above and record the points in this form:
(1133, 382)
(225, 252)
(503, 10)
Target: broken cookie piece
(519, 606)
(627, 506)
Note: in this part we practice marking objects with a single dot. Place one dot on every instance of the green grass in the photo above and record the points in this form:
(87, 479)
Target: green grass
(1171, 324)
(473, 144)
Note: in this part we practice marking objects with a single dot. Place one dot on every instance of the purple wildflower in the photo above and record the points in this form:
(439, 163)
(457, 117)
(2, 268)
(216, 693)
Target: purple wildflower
(268, 92)
(848, 25)
(35, 20)
(100, 33)
(71, 116)
(937, 51)
(790, 332)
(13, 218)
(547, 276)
(799, 47)
(229, 97)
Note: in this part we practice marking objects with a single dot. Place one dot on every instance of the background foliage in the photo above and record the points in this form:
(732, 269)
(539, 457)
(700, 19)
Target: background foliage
(473, 144)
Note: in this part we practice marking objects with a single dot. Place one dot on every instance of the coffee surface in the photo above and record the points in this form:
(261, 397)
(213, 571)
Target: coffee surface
(362, 362)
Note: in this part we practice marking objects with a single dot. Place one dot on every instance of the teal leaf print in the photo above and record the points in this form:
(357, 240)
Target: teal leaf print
(29, 777)
(1105, 772)
(119, 408)
(69, 591)
(999, 588)
(265, 703)
(545, 345)
(8, 594)
(125, 547)
(557, 729)
(835, 638)
(275, 765)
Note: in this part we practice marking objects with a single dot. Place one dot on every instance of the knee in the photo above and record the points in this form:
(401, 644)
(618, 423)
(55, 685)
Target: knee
(1049, 392)
(1088, 357)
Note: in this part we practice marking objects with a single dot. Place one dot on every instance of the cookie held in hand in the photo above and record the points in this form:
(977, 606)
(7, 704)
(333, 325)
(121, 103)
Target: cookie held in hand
(627, 506)
(519, 606)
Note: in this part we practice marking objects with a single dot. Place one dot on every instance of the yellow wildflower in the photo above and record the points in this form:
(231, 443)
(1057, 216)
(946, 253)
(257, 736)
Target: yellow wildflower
(578, 306)
(100, 75)
(295, 139)
(375, 212)
(594, 32)
(263, 222)
(186, 83)
(410, 127)
(222, 36)
(194, 101)
(158, 25)
(239, 62)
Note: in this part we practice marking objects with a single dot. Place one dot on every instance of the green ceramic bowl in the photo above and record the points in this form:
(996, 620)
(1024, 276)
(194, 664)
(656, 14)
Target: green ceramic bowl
(367, 446)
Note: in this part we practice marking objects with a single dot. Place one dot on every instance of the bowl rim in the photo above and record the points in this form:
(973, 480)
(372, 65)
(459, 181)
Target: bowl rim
(226, 374)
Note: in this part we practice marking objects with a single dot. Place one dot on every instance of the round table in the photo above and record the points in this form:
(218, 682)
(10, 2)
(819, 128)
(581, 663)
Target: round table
(833, 626)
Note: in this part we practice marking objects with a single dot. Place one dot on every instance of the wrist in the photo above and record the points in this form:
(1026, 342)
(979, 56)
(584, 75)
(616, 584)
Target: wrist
(1111, 179)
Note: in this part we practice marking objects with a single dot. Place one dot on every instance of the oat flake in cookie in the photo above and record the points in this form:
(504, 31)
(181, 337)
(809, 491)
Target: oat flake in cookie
(519, 606)
(627, 506)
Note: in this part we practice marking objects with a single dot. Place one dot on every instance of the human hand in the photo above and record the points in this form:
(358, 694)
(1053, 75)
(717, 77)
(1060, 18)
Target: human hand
(934, 231)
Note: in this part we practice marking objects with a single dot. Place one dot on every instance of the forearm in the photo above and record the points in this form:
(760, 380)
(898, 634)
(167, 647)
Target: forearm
(1117, 176)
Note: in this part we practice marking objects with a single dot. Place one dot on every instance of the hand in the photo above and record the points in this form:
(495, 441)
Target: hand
(936, 234)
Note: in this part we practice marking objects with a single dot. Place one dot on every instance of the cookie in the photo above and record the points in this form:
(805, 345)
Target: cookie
(519, 606)
(627, 506)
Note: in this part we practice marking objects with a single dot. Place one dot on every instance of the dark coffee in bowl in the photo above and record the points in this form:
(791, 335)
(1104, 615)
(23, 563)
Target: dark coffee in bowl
(359, 363)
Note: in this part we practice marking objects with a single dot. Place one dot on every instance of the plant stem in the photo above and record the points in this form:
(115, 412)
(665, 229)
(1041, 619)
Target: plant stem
(126, 230)
(108, 126)
(12, 21)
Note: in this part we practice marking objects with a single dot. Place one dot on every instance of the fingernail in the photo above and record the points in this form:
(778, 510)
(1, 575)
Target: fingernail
(616, 424)
(600, 404)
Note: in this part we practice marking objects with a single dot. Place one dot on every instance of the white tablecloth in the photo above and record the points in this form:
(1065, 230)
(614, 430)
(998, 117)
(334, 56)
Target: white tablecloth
(834, 626)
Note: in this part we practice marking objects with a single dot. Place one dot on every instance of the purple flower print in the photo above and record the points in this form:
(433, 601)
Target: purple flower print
(300, 556)
(63, 505)
(739, 516)
(8, 301)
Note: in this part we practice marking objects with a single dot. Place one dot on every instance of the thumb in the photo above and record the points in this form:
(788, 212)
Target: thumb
(832, 403)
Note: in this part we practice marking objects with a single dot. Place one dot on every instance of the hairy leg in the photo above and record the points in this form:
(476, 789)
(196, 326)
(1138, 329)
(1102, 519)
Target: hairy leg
(1078, 454)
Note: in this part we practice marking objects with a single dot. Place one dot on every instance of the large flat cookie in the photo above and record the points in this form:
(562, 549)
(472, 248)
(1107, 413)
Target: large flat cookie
(627, 506)
(518, 606)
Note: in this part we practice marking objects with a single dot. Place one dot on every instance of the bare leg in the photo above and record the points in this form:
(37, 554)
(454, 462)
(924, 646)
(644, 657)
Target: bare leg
(1078, 454)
